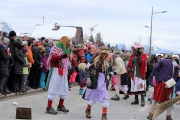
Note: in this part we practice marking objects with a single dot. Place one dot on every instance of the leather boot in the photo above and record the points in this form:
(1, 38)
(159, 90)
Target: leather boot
(142, 102)
(104, 116)
(88, 113)
(7, 91)
(136, 100)
(168, 117)
(126, 97)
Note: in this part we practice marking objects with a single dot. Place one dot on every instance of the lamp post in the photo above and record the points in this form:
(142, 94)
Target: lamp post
(151, 28)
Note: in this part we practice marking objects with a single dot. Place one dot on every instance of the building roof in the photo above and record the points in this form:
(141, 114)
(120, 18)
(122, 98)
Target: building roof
(47, 32)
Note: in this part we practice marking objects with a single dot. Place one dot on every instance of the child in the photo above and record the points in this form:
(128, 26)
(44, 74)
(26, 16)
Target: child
(25, 69)
(44, 70)
(81, 67)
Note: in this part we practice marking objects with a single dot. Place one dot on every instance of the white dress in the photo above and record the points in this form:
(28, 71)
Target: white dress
(58, 84)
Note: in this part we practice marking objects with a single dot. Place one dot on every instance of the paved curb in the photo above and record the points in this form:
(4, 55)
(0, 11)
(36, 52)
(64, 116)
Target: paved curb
(29, 92)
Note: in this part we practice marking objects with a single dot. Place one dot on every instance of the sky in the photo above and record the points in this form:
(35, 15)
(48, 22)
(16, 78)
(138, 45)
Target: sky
(120, 21)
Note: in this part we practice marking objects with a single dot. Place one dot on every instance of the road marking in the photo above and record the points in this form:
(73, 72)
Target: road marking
(144, 108)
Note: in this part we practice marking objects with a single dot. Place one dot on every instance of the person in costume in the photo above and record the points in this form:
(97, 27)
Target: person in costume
(58, 85)
(169, 69)
(119, 68)
(97, 82)
(137, 71)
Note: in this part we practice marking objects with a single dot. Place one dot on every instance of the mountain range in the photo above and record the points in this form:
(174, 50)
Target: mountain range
(156, 49)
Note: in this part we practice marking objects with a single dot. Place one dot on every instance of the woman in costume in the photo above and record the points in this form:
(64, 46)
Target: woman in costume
(58, 61)
(137, 71)
(169, 69)
(97, 83)
(119, 69)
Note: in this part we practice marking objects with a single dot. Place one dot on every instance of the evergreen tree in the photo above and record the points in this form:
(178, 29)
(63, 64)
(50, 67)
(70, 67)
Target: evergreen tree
(91, 39)
(99, 40)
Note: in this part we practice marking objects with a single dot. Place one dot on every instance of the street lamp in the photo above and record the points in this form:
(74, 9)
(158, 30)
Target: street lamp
(151, 28)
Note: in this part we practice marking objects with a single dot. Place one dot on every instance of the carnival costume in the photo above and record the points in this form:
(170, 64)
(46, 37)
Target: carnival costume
(137, 71)
(58, 85)
(119, 69)
(97, 82)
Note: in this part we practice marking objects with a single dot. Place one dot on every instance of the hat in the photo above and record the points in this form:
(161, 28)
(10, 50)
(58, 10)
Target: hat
(85, 49)
(79, 45)
(12, 33)
(105, 50)
(5, 40)
(24, 43)
(43, 38)
(137, 45)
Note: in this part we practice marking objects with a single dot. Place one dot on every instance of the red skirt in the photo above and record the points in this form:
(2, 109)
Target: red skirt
(162, 94)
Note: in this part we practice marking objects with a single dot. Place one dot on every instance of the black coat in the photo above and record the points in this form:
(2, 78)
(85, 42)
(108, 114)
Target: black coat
(12, 50)
(19, 60)
(4, 61)
(37, 55)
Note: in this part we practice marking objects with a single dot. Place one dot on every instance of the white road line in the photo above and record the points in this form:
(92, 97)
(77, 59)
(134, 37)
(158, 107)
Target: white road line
(144, 108)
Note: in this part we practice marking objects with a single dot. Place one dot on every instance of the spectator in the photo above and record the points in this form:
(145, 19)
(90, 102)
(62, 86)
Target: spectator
(5, 56)
(19, 61)
(42, 40)
(44, 70)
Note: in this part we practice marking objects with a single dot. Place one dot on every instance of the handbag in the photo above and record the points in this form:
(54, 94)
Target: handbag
(23, 113)
(171, 82)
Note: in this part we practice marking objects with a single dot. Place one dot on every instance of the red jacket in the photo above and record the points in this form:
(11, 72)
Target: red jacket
(55, 61)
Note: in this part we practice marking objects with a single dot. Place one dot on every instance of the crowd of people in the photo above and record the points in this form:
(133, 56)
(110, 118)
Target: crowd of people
(30, 64)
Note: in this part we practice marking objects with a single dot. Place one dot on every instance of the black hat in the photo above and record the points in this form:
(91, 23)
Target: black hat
(43, 38)
(12, 33)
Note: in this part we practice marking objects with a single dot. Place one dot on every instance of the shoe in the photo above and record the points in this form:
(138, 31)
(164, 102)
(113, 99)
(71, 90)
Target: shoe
(112, 88)
(150, 116)
(125, 97)
(116, 97)
(142, 102)
(168, 117)
(135, 102)
(27, 87)
(88, 113)
(62, 108)
(1, 95)
(51, 111)
(7, 91)
(104, 116)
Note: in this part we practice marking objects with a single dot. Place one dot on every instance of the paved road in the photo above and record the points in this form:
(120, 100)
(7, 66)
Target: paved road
(118, 110)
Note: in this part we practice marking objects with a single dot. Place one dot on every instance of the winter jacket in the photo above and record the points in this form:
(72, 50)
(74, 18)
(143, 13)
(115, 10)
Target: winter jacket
(88, 57)
(30, 55)
(4, 61)
(44, 62)
(11, 47)
(37, 57)
(19, 60)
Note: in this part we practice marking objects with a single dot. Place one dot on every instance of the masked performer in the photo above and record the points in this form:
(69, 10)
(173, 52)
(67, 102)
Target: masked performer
(58, 61)
(137, 71)
(97, 82)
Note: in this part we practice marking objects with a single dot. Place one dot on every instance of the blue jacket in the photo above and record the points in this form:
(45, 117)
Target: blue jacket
(88, 57)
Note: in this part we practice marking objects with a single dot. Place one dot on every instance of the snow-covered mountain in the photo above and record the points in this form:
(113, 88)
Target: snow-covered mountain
(156, 49)
(4, 26)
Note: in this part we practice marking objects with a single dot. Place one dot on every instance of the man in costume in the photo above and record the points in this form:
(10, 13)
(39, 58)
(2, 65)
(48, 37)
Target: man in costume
(97, 82)
(58, 61)
(137, 71)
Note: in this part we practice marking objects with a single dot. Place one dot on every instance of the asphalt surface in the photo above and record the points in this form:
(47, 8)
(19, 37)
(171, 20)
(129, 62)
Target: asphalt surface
(118, 110)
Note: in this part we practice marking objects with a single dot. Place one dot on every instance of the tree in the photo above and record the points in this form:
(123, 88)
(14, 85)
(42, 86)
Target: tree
(99, 40)
(91, 39)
